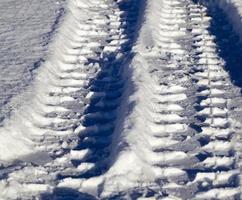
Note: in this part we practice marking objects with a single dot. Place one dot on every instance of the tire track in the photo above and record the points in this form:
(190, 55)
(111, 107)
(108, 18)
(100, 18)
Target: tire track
(165, 105)
(170, 128)
(104, 96)
(74, 118)
(216, 175)
(188, 143)
(179, 139)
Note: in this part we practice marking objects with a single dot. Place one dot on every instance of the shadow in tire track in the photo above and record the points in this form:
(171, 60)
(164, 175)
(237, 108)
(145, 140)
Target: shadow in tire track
(228, 42)
(102, 111)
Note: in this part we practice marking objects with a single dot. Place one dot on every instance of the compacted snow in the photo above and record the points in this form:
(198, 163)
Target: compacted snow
(133, 99)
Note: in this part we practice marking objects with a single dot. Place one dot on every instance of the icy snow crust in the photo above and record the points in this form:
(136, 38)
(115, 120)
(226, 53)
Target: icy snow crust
(137, 100)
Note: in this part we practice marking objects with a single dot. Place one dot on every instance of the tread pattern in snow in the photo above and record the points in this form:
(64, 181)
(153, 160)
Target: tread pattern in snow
(189, 142)
(216, 174)
(183, 95)
(74, 118)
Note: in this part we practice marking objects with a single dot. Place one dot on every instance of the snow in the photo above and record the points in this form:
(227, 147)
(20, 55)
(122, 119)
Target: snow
(118, 112)
(220, 133)
(223, 193)
(11, 145)
(218, 178)
(170, 98)
(233, 9)
(116, 179)
(26, 29)
(79, 155)
(216, 162)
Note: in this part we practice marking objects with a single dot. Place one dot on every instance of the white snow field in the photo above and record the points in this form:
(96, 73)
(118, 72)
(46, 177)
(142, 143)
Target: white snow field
(133, 100)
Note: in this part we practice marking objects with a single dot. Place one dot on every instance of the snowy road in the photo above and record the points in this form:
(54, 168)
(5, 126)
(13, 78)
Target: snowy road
(137, 100)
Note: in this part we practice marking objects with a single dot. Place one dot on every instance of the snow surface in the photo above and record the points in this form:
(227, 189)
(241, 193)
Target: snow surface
(135, 100)
(26, 29)
(233, 9)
